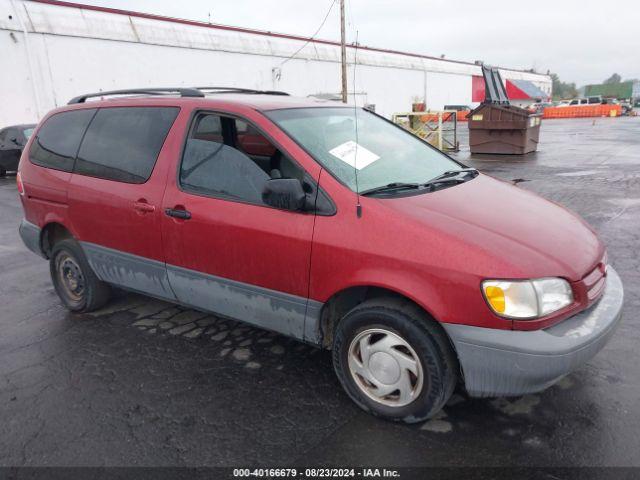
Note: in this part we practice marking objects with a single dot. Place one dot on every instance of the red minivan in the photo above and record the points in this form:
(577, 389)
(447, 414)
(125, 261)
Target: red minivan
(323, 222)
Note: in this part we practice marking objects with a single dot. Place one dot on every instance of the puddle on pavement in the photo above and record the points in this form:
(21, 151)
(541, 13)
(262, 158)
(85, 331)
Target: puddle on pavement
(581, 173)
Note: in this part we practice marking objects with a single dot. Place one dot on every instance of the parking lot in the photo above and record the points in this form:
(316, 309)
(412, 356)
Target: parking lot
(145, 383)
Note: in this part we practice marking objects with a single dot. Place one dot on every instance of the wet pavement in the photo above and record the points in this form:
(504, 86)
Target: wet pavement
(145, 383)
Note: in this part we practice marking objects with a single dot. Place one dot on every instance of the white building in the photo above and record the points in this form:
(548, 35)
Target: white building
(52, 51)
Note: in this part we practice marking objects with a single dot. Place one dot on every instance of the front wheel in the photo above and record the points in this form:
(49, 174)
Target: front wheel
(74, 280)
(394, 361)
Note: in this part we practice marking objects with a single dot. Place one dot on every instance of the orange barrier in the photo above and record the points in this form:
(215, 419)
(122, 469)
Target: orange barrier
(446, 117)
(462, 115)
(583, 111)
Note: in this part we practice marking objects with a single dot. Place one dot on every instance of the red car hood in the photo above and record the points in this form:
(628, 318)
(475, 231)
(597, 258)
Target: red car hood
(532, 236)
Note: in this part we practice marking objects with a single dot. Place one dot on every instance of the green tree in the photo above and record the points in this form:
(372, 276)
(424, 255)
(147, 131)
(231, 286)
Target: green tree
(615, 78)
(562, 90)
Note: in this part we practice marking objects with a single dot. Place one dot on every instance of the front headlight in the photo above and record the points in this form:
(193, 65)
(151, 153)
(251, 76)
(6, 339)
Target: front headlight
(527, 299)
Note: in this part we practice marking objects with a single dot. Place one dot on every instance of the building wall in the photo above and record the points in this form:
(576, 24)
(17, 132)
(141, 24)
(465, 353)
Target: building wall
(52, 53)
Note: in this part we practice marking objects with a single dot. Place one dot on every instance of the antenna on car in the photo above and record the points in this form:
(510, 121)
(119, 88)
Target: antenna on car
(355, 115)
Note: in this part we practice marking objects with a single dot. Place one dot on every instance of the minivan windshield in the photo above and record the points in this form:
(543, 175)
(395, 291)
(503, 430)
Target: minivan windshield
(382, 153)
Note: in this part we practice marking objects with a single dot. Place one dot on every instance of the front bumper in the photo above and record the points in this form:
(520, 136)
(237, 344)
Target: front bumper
(507, 362)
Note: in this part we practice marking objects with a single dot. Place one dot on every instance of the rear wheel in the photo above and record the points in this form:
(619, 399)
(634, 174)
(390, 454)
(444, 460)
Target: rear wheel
(74, 280)
(3, 172)
(394, 361)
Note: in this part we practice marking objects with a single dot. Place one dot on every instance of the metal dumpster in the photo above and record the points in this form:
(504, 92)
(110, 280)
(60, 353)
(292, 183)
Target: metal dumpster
(496, 126)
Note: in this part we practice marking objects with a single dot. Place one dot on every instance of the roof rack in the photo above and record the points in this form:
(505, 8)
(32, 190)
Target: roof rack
(184, 92)
(241, 90)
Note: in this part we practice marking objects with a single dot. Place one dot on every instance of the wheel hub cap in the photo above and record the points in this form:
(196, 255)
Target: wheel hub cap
(385, 367)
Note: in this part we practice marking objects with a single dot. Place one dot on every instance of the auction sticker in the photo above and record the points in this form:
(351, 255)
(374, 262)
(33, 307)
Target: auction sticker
(354, 154)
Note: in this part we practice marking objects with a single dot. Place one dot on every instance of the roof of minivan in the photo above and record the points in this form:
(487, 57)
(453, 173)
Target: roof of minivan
(262, 102)
(272, 102)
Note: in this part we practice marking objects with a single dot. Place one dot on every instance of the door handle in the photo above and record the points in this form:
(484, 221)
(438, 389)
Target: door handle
(143, 207)
(178, 213)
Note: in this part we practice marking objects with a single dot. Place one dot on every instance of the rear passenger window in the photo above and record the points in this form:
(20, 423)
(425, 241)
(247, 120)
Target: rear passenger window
(227, 157)
(57, 142)
(123, 143)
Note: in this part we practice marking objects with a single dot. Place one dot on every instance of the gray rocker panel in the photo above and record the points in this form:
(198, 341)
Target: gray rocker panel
(278, 311)
(131, 271)
(284, 313)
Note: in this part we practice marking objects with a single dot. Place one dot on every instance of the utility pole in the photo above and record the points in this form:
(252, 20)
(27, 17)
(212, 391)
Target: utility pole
(343, 53)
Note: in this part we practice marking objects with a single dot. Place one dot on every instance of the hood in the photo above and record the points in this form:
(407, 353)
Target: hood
(530, 236)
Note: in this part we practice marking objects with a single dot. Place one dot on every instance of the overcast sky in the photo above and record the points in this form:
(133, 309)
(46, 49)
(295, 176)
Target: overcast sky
(584, 41)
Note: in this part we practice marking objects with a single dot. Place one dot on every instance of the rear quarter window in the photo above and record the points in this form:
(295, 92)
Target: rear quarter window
(123, 143)
(57, 141)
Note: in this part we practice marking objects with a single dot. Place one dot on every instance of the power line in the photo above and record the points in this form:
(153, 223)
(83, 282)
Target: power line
(351, 19)
(312, 36)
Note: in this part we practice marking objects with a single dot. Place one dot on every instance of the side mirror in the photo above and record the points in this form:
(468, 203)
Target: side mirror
(284, 193)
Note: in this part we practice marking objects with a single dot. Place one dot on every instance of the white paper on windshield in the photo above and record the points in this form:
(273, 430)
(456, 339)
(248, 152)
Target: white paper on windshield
(354, 154)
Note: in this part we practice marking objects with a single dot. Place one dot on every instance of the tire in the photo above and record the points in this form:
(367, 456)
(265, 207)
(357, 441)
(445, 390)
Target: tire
(432, 373)
(3, 172)
(74, 280)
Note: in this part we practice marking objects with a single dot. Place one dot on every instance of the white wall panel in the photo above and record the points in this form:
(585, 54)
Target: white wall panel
(447, 89)
(73, 51)
(391, 90)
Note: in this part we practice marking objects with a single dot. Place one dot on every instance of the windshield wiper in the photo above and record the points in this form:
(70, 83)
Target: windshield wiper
(452, 173)
(391, 187)
(450, 176)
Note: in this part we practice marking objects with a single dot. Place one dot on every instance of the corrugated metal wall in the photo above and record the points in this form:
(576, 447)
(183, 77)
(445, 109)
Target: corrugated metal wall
(52, 53)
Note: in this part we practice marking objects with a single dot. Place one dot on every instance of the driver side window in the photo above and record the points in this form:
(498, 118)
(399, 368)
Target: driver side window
(229, 158)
